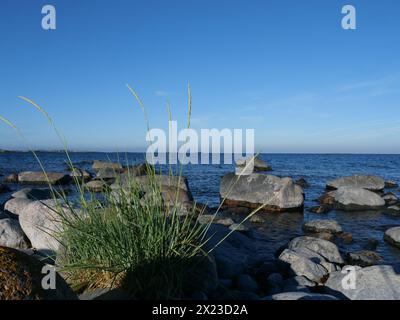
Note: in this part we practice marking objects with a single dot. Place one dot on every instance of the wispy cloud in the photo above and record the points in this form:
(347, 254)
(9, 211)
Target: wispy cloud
(373, 88)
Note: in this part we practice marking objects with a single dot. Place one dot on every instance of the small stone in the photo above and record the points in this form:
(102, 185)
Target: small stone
(238, 227)
(302, 183)
(12, 178)
(392, 236)
(363, 258)
(328, 226)
(390, 184)
(324, 208)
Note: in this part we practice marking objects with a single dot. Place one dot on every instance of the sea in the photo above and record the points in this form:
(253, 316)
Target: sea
(278, 229)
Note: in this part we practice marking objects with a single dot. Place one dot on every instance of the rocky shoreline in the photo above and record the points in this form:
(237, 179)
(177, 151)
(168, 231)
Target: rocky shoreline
(309, 267)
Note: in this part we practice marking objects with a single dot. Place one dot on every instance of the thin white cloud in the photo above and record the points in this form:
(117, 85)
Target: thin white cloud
(162, 93)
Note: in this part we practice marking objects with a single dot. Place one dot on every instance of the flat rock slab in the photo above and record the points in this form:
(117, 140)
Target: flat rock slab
(356, 199)
(371, 283)
(368, 182)
(323, 225)
(53, 178)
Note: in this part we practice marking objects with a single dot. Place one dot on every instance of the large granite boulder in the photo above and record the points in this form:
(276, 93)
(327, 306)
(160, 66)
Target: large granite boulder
(354, 199)
(21, 278)
(42, 223)
(392, 236)
(11, 234)
(16, 205)
(372, 183)
(252, 191)
(54, 178)
(371, 283)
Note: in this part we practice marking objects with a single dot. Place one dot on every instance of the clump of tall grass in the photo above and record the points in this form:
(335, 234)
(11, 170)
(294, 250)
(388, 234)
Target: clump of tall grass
(129, 238)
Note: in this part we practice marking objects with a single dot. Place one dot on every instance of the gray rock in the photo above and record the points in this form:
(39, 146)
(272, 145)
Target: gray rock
(273, 193)
(299, 281)
(355, 199)
(329, 226)
(371, 283)
(372, 183)
(298, 295)
(238, 227)
(41, 222)
(33, 194)
(251, 162)
(390, 198)
(12, 178)
(392, 236)
(363, 258)
(394, 208)
(211, 218)
(11, 234)
(107, 174)
(80, 175)
(96, 186)
(53, 178)
(246, 283)
(325, 248)
(301, 265)
(98, 165)
(16, 205)
(391, 184)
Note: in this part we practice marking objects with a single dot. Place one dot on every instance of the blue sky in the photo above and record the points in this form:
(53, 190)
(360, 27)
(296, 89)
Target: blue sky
(285, 68)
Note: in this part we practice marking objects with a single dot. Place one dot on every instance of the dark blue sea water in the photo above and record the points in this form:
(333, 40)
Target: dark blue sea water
(278, 228)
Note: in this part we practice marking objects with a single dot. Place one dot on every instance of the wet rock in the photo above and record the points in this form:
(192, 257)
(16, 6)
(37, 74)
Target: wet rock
(298, 295)
(302, 183)
(21, 279)
(392, 236)
(303, 262)
(53, 178)
(273, 193)
(355, 199)
(390, 184)
(140, 169)
(99, 165)
(255, 218)
(238, 227)
(107, 174)
(11, 234)
(372, 183)
(326, 249)
(80, 175)
(173, 195)
(395, 209)
(33, 194)
(363, 258)
(372, 283)
(16, 205)
(211, 218)
(322, 235)
(325, 208)
(12, 178)
(327, 199)
(96, 186)
(390, 199)
(328, 226)
(246, 283)
(299, 281)
(346, 237)
(256, 163)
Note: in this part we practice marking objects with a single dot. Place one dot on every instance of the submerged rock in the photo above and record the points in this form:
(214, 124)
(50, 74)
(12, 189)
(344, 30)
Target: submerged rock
(11, 234)
(273, 193)
(302, 183)
(354, 199)
(325, 208)
(21, 279)
(363, 258)
(371, 283)
(53, 178)
(390, 184)
(392, 236)
(372, 183)
(329, 226)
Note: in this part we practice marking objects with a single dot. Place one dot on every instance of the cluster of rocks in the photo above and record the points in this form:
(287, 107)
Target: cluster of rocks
(309, 267)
